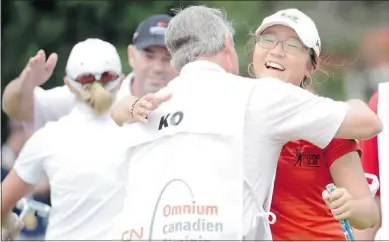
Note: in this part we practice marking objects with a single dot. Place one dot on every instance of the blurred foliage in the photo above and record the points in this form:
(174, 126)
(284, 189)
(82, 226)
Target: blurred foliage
(56, 26)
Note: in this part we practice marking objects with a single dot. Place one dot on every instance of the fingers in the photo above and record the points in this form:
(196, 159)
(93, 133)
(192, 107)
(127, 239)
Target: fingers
(325, 195)
(32, 63)
(31, 66)
(143, 103)
(335, 199)
(337, 203)
(344, 209)
(141, 110)
(163, 99)
(342, 216)
(42, 53)
(142, 114)
(150, 97)
(336, 194)
(40, 60)
(146, 105)
(157, 101)
(40, 57)
(51, 63)
(26, 72)
(141, 118)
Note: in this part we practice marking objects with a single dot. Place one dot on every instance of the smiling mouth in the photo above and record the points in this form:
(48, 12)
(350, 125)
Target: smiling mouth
(274, 66)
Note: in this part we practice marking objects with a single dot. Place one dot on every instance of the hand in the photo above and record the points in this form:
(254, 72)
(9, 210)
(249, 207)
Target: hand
(340, 202)
(143, 107)
(38, 70)
(11, 227)
(131, 109)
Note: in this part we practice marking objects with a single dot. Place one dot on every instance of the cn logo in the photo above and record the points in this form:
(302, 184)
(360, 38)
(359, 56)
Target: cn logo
(174, 119)
(133, 234)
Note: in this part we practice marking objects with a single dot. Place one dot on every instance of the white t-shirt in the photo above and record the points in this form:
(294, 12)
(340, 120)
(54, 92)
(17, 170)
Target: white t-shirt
(52, 104)
(275, 113)
(86, 170)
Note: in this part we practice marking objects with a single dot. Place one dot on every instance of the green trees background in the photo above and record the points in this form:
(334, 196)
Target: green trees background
(56, 25)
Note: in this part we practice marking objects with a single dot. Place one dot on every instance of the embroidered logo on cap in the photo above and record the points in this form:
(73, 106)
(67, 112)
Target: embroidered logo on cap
(160, 29)
(162, 24)
(290, 16)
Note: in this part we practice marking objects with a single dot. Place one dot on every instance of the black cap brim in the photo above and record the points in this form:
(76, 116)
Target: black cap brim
(155, 41)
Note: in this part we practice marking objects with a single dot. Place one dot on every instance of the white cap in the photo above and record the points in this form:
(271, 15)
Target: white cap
(93, 56)
(299, 22)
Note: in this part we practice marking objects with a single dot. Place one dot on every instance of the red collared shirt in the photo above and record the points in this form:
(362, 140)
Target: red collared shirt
(302, 174)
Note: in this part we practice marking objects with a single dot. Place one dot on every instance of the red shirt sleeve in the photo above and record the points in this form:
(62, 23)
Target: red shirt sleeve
(338, 148)
(370, 147)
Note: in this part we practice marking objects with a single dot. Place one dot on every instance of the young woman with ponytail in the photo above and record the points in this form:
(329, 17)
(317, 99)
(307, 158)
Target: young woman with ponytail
(80, 153)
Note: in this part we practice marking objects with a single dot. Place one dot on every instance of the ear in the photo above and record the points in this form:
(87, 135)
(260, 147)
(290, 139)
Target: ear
(228, 45)
(130, 54)
(308, 72)
(310, 68)
(231, 57)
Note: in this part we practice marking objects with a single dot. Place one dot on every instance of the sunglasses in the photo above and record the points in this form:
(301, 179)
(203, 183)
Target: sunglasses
(104, 77)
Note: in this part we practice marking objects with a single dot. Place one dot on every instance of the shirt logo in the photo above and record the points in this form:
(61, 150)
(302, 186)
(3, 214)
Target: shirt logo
(306, 159)
(173, 120)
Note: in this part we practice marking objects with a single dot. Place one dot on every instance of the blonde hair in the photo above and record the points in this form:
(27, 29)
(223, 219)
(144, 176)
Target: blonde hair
(96, 97)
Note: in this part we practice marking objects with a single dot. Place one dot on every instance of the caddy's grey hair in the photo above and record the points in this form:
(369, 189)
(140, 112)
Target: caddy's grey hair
(196, 31)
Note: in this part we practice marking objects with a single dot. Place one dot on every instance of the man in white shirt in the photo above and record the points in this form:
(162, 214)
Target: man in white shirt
(24, 100)
(218, 131)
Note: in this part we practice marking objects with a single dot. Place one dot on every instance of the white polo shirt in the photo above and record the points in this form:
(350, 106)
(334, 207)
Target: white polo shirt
(82, 158)
(52, 104)
(214, 103)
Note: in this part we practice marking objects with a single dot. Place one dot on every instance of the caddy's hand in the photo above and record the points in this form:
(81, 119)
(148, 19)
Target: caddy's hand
(131, 109)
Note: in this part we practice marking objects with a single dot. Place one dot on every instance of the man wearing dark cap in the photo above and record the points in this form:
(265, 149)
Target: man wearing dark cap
(148, 57)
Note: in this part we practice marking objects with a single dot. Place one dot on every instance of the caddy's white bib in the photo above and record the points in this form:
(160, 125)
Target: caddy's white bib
(186, 165)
